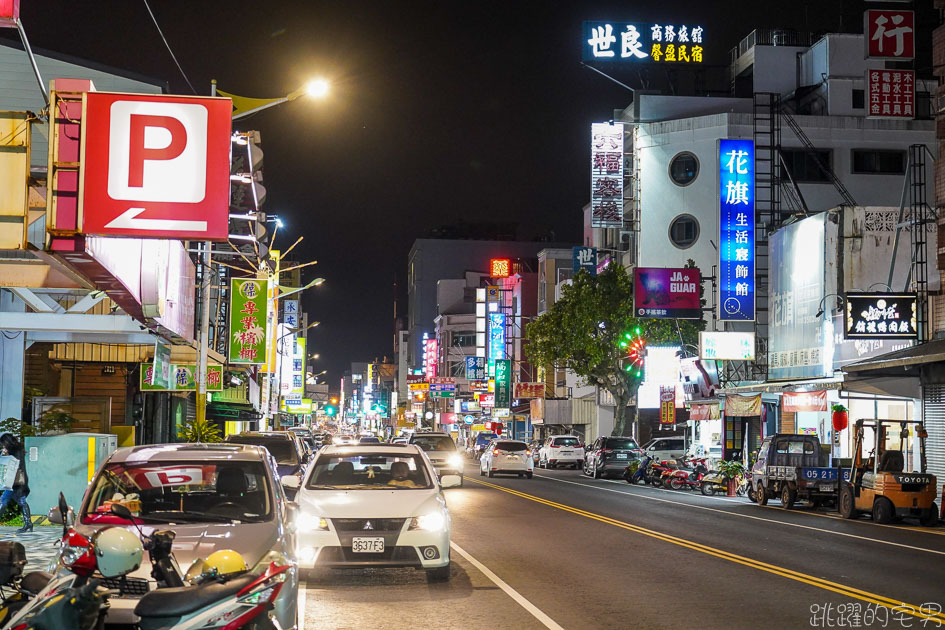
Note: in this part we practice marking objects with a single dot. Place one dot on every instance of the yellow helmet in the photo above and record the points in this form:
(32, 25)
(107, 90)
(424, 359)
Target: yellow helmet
(225, 561)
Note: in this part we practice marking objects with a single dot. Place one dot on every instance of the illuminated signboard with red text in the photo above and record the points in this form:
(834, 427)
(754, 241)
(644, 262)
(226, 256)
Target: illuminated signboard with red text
(500, 267)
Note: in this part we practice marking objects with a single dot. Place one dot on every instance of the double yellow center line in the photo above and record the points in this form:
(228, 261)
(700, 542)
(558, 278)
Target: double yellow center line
(835, 587)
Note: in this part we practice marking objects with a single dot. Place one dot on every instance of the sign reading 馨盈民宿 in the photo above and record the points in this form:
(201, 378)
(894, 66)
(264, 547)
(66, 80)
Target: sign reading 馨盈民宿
(643, 42)
(736, 230)
(880, 316)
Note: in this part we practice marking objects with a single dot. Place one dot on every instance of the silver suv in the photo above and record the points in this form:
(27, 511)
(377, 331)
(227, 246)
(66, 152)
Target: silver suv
(441, 450)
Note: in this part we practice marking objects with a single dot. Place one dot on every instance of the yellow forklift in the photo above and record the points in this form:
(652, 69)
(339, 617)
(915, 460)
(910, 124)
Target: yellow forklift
(880, 484)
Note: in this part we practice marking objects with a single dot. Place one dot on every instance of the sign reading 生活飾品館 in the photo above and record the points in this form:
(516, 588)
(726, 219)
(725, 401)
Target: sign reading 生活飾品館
(736, 230)
(643, 42)
(607, 171)
(880, 316)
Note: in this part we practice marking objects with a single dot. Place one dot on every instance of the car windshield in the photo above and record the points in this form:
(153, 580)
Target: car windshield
(621, 443)
(485, 438)
(434, 442)
(282, 449)
(568, 441)
(369, 471)
(181, 492)
(511, 447)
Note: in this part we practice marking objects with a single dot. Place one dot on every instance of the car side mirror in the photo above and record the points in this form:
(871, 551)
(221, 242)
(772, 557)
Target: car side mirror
(292, 516)
(450, 481)
(55, 516)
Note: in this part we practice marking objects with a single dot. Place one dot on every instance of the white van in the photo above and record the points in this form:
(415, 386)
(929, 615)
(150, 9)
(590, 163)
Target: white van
(661, 448)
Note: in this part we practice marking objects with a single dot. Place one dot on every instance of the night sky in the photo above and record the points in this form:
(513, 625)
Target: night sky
(441, 112)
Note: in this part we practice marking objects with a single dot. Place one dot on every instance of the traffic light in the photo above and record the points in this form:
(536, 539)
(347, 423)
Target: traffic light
(329, 410)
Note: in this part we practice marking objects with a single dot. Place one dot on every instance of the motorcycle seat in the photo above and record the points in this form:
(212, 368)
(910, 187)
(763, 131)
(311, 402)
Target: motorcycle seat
(182, 600)
(35, 581)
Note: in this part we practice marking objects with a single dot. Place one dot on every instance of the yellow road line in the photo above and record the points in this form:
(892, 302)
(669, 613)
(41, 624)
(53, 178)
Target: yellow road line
(797, 576)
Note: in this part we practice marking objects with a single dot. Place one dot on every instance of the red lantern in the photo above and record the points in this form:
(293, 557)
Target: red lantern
(840, 420)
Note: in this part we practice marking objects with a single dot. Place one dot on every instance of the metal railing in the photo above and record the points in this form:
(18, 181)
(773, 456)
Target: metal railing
(770, 37)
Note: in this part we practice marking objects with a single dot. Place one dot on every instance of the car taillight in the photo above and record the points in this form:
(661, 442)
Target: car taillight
(528, 452)
(555, 446)
(605, 451)
(495, 451)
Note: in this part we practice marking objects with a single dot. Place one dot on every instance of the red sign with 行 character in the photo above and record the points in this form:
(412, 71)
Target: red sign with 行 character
(9, 12)
(891, 93)
(890, 34)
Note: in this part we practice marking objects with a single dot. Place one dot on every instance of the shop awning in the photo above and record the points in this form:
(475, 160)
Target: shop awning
(905, 362)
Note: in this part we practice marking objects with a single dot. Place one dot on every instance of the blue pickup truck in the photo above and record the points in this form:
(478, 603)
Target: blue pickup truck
(792, 467)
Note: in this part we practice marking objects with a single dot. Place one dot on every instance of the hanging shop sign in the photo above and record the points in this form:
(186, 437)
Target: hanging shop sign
(890, 34)
(500, 267)
(643, 42)
(475, 368)
(9, 13)
(496, 336)
(529, 390)
(880, 316)
(536, 410)
(478, 386)
(487, 400)
(727, 346)
(155, 166)
(430, 359)
(160, 375)
(743, 406)
(736, 230)
(667, 404)
(891, 93)
(804, 401)
(660, 293)
(704, 411)
(584, 258)
(247, 314)
(503, 383)
(182, 378)
(607, 173)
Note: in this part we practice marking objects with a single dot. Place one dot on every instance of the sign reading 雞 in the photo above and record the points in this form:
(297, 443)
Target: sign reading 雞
(155, 166)
(880, 316)
(607, 175)
(736, 230)
(891, 93)
(667, 293)
(643, 42)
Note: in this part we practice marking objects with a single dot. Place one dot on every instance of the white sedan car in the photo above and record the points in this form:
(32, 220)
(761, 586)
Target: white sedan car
(507, 456)
(561, 450)
(378, 505)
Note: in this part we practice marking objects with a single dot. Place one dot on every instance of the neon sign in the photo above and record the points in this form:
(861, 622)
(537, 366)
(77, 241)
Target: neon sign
(500, 267)
(496, 336)
(662, 43)
(736, 230)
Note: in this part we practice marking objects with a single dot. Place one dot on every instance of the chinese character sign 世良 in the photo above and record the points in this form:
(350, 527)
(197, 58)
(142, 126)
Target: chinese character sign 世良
(248, 321)
(736, 230)
(607, 172)
(643, 42)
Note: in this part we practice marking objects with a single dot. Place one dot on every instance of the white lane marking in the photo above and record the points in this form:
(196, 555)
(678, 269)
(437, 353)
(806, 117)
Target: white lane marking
(544, 619)
(757, 518)
(303, 591)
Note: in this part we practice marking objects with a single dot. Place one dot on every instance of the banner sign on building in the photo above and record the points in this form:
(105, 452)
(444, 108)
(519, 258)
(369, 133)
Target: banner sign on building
(430, 359)
(503, 383)
(182, 378)
(890, 34)
(160, 376)
(475, 368)
(891, 93)
(880, 316)
(804, 401)
(496, 336)
(478, 386)
(736, 230)
(247, 315)
(487, 400)
(155, 166)
(742, 406)
(529, 390)
(585, 258)
(536, 410)
(442, 384)
(727, 346)
(643, 42)
(660, 293)
(704, 411)
(607, 175)
(667, 404)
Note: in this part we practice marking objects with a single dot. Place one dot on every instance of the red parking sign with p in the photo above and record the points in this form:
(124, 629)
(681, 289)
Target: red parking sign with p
(156, 166)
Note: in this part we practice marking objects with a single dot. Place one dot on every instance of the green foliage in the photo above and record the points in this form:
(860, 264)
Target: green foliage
(200, 431)
(53, 421)
(585, 331)
(836, 408)
(731, 469)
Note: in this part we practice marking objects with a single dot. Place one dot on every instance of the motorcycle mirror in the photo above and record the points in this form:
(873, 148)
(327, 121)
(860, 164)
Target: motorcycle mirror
(64, 511)
(121, 510)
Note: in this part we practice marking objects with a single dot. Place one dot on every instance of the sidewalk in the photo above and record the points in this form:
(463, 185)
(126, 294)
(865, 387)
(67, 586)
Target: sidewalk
(41, 544)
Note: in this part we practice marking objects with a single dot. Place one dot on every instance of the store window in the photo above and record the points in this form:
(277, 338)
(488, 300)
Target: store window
(684, 231)
(803, 167)
(684, 168)
(858, 99)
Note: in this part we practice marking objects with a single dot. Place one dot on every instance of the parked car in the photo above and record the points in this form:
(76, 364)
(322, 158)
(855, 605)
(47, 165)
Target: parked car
(535, 446)
(610, 455)
(442, 452)
(400, 440)
(369, 439)
(481, 442)
(286, 448)
(212, 496)
(561, 450)
(375, 506)
(507, 457)
(794, 466)
(662, 448)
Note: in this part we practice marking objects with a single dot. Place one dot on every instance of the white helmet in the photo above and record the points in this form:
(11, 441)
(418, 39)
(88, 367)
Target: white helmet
(117, 551)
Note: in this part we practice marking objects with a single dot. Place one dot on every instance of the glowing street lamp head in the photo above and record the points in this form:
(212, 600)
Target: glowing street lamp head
(318, 88)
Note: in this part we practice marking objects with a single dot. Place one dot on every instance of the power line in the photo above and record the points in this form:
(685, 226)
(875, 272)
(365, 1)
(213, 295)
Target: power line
(161, 33)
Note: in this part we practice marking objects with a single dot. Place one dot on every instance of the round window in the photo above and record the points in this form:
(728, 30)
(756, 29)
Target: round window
(684, 231)
(684, 168)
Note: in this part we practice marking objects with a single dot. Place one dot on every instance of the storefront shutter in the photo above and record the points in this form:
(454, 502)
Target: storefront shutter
(933, 412)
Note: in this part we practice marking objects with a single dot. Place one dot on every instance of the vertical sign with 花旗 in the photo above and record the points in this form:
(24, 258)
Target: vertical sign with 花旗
(607, 175)
(503, 384)
(248, 321)
(736, 230)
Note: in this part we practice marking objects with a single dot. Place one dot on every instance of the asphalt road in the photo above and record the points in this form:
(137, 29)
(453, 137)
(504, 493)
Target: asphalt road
(565, 551)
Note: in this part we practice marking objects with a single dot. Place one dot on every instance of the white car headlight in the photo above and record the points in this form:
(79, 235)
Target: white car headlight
(456, 461)
(432, 522)
(309, 523)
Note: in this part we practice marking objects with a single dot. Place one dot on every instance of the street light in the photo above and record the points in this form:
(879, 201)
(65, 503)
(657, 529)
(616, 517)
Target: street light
(318, 88)
(317, 282)
(242, 106)
(314, 357)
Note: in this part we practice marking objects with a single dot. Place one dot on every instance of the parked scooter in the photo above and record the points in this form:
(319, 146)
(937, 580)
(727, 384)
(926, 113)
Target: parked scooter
(16, 589)
(636, 471)
(657, 468)
(688, 476)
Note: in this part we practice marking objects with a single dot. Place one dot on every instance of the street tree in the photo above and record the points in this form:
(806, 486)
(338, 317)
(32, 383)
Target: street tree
(587, 331)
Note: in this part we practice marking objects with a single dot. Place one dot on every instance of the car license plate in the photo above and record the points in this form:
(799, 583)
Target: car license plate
(621, 456)
(367, 545)
(567, 452)
(511, 457)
